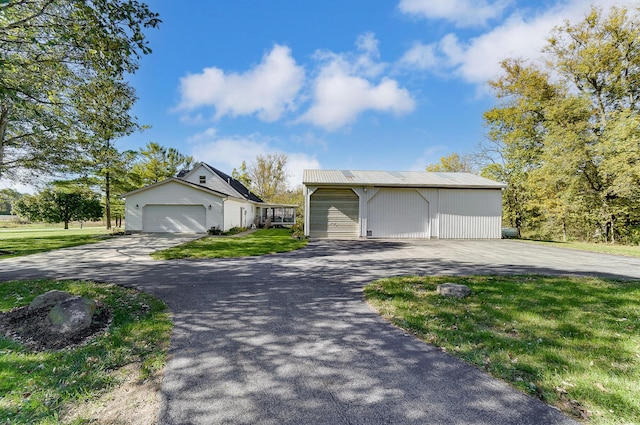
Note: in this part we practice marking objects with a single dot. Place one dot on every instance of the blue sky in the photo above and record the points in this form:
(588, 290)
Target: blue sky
(334, 84)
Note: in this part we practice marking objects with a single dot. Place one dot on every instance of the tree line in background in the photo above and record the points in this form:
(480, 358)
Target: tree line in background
(565, 136)
(64, 103)
(63, 201)
(64, 100)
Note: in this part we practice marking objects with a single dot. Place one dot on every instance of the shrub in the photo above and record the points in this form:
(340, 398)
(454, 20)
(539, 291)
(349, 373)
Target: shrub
(297, 231)
(234, 231)
(214, 231)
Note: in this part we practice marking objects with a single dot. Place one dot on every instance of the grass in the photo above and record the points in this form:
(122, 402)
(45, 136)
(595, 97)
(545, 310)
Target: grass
(35, 386)
(261, 242)
(603, 248)
(572, 342)
(15, 243)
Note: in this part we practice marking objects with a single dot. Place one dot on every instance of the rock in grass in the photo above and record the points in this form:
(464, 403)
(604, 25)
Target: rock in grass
(72, 315)
(50, 298)
(453, 290)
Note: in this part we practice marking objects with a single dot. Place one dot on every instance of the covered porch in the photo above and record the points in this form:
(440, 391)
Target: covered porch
(276, 215)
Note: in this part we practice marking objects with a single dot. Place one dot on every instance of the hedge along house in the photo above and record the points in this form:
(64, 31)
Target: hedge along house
(198, 200)
(342, 204)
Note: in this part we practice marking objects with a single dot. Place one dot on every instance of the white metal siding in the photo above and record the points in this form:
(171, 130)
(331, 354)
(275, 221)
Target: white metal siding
(470, 213)
(333, 214)
(174, 219)
(398, 214)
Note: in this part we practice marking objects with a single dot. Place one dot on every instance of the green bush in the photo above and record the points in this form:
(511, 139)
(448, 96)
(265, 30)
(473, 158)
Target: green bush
(234, 231)
(214, 231)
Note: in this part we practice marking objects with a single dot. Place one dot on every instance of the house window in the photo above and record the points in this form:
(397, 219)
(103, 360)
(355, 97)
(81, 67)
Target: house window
(203, 179)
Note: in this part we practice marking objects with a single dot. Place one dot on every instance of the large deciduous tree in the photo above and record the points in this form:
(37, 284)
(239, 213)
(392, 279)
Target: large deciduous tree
(567, 132)
(59, 205)
(452, 163)
(242, 175)
(268, 176)
(7, 197)
(48, 48)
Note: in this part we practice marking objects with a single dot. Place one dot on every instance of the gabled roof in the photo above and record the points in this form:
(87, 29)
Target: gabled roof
(397, 179)
(236, 185)
(180, 181)
(227, 184)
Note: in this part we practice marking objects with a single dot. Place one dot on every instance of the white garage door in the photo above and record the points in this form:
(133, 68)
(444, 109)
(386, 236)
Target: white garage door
(398, 214)
(333, 213)
(174, 219)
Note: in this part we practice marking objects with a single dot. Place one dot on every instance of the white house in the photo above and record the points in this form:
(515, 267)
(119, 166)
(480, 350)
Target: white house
(410, 204)
(198, 200)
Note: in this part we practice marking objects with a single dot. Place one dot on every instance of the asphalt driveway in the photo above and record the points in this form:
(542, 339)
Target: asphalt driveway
(288, 339)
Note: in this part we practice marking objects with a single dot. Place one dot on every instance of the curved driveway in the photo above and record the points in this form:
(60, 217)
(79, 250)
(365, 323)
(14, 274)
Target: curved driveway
(288, 339)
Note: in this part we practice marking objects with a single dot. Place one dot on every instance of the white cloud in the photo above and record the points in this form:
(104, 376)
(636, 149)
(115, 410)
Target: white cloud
(343, 88)
(464, 13)
(268, 89)
(207, 134)
(478, 59)
(228, 152)
(296, 163)
(421, 56)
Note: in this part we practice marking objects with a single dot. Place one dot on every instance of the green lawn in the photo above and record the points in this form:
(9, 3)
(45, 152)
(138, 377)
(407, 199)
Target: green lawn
(627, 250)
(572, 342)
(34, 387)
(14, 242)
(261, 242)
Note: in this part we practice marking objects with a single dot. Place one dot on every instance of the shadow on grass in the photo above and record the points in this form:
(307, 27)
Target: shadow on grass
(536, 332)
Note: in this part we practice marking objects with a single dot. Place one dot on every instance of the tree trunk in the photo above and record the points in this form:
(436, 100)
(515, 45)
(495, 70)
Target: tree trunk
(613, 227)
(4, 120)
(107, 202)
(66, 224)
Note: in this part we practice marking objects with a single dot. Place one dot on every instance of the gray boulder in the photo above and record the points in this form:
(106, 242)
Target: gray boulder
(50, 298)
(72, 315)
(453, 290)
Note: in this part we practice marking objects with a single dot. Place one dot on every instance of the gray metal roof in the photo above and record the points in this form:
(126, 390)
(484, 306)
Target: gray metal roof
(397, 179)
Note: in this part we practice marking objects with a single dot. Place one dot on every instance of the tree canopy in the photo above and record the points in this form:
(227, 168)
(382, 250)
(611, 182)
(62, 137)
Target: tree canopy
(7, 197)
(158, 163)
(59, 205)
(268, 176)
(565, 135)
(49, 49)
(453, 163)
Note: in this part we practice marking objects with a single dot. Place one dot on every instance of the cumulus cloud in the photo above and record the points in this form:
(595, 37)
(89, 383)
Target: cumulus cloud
(296, 164)
(464, 13)
(347, 85)
(421, 56)
(228, 152)
(267, 90)
(478, 59)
